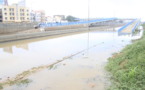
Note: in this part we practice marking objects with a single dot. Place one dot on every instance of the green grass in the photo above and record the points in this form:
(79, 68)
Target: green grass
(1, 87)
(127, 68)
(24, 82)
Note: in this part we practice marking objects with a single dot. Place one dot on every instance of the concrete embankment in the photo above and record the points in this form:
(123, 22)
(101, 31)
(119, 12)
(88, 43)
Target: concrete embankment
(22, 36)
(6, 28)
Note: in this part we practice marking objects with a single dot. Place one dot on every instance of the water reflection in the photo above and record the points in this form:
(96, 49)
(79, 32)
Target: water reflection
(10, 49)
(24, 46)
(137, 33)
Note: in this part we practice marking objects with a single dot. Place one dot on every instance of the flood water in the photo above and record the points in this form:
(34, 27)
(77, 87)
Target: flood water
(84, 71)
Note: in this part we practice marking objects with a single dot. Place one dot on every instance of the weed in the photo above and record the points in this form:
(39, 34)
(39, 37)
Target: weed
(128, 66)
(24, 82)
(1, 87)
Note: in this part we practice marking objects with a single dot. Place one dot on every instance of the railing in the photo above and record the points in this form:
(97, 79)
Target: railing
(125, 26)
(137, 24)
(74, 23)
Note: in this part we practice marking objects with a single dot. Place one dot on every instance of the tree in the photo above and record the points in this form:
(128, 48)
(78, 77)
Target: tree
(71, 18)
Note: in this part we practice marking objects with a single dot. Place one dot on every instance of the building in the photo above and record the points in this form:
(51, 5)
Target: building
(1, 18)
(32, 16)
(58, 18)
(37, 16)
(15, 13)
(49, 19)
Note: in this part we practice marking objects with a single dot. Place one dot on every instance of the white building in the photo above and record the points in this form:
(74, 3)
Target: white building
(49, 19)
(37, 16)
(58, 18)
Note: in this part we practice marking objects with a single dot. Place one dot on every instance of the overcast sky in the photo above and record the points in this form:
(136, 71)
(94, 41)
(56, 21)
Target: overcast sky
(98, 8)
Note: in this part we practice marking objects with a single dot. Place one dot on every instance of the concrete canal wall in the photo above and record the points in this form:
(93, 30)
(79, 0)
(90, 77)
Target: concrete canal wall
(15, 27)
(22, 36)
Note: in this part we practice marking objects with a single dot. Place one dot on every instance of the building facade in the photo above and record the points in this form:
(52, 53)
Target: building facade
(15, 13)
(1, 18)
(49, 19)
(37, 16)
(58, 18)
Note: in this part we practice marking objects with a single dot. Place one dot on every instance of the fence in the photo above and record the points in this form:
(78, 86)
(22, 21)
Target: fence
(74, 23)
(137, 24)
(125, 26)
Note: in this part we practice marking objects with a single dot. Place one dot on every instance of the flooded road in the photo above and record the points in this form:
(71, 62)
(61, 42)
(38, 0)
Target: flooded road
(77, 70)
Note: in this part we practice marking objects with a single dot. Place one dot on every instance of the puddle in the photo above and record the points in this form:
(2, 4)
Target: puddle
(84, 71)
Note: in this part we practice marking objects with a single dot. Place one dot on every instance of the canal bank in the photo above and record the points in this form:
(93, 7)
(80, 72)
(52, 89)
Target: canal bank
(127, 67)
(31, 35)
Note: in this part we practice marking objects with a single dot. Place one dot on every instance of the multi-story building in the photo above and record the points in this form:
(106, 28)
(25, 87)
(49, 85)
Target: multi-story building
(1, 18)
(49, 19)
(58, 18)
(15, 13)
(37, 16)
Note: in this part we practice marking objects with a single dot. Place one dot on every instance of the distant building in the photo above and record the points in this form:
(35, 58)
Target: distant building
(15, 13)
(37, 16)
(1, 18)
(58, 18)
(49, 19)
(32, 16)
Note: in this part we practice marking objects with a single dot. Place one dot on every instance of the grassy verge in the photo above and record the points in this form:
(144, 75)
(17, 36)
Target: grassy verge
(128, 67)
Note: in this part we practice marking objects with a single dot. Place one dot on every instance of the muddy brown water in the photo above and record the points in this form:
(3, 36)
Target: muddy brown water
(84, 71)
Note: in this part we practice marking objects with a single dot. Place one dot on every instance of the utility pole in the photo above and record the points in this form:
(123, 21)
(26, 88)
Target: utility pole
(88, 28)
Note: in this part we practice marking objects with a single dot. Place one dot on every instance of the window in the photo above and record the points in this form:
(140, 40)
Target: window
(22, 14)
(22, 18)
(6, 18)
(11, 14)
(5, 9)
(21, 10)
(5, 13)
(12, 18)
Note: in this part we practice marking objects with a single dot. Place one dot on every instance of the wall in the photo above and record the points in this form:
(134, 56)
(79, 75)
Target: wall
(6, 28)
